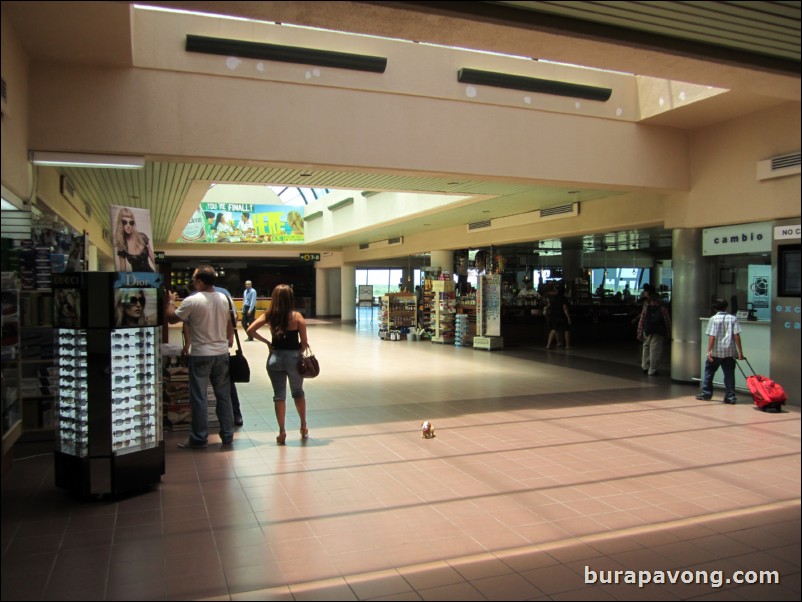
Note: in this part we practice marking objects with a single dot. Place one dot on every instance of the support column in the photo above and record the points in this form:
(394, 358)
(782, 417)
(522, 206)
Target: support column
(321, 292)
(348, 293)
(688, 302)
(572, 266)
(444, 260)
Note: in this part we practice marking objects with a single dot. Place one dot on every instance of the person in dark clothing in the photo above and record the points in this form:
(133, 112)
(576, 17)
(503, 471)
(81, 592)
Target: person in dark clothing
(559, 319)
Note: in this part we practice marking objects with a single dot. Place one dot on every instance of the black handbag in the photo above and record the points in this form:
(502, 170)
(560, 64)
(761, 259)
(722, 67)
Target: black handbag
(308, 366)
(238, 369)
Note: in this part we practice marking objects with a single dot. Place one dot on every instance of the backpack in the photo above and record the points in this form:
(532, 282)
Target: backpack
(654, 323)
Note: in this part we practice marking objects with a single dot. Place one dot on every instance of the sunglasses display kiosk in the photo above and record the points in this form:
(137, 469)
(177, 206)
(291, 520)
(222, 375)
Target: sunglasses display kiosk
(109, 404)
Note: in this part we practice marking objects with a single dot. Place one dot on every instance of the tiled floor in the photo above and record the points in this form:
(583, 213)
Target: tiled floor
(549, 470)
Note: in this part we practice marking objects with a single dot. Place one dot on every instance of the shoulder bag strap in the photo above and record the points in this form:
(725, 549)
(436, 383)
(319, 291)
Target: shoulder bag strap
(233, 323)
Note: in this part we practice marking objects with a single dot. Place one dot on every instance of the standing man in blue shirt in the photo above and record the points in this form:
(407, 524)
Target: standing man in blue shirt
(723, 346)
(248, 306)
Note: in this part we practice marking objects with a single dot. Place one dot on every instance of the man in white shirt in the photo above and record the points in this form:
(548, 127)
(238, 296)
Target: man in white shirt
(207, 313)
(245, 224)
(723, 346)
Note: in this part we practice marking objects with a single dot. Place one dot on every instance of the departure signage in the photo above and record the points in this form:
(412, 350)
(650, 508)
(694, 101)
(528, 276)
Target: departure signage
(310, 256)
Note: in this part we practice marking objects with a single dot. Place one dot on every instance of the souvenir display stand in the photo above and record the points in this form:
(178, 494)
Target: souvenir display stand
(397, 316)
(488, 313)
(109, 411)
(445, 310)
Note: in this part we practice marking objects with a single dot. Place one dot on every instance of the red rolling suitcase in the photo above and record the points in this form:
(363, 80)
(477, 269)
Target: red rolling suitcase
(766, 393)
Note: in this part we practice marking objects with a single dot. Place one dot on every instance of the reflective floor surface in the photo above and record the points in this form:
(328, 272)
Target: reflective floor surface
(554, 475)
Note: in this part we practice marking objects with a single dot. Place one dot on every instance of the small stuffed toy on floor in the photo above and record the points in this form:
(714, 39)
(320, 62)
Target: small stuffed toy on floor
(427, 430)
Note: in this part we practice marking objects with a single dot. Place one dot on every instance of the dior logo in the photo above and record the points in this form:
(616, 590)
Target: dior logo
(133, 281)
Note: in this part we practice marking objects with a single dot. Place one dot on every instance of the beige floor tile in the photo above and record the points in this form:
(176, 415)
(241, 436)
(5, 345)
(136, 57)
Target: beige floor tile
(538, 470)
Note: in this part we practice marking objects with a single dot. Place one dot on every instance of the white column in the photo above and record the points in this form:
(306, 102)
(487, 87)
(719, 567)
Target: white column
(444, 260)
(91, 257)
(348, 293)
(321, 292)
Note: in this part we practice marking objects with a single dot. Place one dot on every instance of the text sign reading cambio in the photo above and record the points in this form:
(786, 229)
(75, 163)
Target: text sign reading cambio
(744, 238)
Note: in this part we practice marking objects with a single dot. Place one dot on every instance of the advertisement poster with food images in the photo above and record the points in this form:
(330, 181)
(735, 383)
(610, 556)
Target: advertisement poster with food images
(245, 223)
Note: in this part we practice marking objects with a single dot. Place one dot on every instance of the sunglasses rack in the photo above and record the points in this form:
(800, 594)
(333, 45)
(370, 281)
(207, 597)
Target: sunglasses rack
(109, 433)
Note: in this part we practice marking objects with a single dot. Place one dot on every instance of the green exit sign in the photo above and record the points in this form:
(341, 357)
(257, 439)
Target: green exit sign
(310, 256)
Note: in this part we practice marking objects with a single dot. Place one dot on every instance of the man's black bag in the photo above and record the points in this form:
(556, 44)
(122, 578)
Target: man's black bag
(654, 324)
(238, 369)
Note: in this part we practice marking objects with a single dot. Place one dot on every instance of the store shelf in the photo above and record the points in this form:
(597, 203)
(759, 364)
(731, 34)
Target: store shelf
(397, 316)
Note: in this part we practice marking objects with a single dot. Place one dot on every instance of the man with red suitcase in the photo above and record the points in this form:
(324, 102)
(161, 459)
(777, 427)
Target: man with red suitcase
(723, 347)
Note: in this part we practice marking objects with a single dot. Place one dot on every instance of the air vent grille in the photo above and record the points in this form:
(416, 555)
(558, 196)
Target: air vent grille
(479, 225)
(364, 246)
(792, 160)
(557, 210)
(779, 166)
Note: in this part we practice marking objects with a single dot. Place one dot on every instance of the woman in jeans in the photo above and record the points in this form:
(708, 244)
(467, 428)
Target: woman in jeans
(288, 331)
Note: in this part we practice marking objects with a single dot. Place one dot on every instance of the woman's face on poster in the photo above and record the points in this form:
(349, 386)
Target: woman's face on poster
(128, 222)
(134, 306)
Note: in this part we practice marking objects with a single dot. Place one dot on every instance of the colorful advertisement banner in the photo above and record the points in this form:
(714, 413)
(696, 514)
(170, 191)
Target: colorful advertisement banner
(245, 223)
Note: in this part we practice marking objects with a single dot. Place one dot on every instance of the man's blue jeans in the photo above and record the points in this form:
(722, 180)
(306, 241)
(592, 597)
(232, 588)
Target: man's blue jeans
(202, 370)
(728, 367)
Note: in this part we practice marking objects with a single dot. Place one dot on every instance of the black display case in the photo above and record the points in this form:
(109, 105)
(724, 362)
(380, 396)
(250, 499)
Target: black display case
(109, 405)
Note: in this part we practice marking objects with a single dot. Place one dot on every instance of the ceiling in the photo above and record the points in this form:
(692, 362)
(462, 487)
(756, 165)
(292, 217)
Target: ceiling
(753, 39)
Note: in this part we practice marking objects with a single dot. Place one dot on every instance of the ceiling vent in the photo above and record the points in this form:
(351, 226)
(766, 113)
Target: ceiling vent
(554, 212)
(390, 242)
(522, 219)
(779, 167)
(479, 225)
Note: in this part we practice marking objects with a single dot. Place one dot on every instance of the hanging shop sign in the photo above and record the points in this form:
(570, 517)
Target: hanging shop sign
(245, 223)
(788, 232)
(743, 238)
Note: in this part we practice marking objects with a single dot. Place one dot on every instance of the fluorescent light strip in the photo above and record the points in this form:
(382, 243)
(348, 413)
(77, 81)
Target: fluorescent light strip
(84, 160)
(286, 54)
(532, 84)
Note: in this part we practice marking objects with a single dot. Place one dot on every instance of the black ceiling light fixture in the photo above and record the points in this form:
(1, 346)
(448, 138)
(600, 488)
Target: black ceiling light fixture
(285, 54)
(532, 84)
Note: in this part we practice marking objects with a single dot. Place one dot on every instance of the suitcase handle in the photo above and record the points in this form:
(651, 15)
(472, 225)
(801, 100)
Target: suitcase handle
(750, 367)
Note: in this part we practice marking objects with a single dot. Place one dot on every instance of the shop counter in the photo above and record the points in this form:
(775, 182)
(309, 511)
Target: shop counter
(591, 323)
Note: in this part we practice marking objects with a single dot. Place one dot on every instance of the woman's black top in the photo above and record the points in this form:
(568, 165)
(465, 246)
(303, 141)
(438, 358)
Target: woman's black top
(141, 262)
(289, 341)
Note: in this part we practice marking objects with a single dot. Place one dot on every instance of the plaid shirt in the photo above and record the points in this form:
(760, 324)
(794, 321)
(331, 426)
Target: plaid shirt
(663, 312)
(723, 327)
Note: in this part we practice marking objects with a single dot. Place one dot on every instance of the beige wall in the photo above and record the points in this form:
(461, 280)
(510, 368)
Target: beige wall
(14, 149)
(723, 164)
(168, 114)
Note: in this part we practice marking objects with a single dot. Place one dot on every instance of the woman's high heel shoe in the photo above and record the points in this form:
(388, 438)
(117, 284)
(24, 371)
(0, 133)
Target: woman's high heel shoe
(282, 437)
(304, 433)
